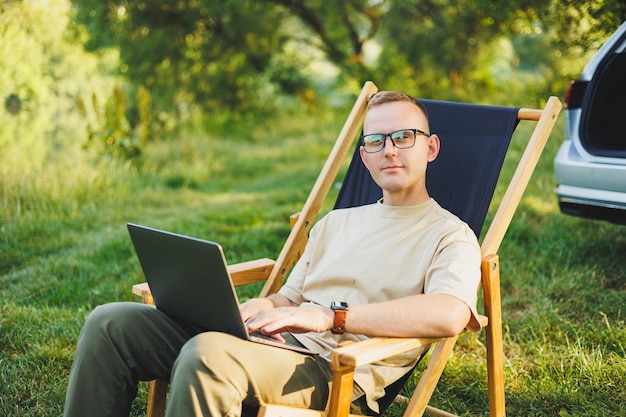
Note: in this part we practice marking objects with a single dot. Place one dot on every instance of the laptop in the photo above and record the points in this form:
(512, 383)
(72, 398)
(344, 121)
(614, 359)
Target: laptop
(189, 280)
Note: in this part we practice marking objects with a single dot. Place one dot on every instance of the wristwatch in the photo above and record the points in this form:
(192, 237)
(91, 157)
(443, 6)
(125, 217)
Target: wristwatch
(339, 323)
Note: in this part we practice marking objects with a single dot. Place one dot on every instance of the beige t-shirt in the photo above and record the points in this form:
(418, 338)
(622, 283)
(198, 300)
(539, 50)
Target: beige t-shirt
(376, 253)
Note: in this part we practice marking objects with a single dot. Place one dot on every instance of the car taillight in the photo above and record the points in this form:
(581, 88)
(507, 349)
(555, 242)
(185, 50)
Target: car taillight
(575, 93)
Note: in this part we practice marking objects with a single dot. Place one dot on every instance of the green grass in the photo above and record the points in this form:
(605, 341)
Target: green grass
(65, 250)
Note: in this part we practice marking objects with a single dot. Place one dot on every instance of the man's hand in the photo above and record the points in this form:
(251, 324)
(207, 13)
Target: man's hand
(291, 319)
(253, 306)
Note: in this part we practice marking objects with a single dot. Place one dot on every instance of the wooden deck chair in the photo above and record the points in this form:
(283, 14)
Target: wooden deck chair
(474, 140)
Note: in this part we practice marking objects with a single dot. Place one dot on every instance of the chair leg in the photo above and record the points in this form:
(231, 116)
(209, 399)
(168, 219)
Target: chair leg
(495, 351)
(340, 396)
(495, 373)
(428, 381)
(156, 398)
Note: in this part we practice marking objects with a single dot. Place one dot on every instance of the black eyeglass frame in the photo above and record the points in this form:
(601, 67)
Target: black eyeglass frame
(390, 136)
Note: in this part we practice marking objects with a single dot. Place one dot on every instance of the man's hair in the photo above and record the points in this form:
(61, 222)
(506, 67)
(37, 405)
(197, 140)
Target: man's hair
(392, 96)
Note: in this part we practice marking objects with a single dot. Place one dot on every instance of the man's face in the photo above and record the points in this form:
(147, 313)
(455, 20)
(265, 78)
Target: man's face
(401, 173)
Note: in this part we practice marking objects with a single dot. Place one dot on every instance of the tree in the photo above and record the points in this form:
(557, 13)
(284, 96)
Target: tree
(229, 53)
(340, 29)
(451, 47)
(204, 51)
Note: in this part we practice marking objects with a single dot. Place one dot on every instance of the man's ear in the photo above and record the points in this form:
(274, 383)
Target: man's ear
(364, 157)
(433, 147)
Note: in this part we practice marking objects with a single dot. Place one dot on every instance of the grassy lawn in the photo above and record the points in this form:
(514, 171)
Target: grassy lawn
(65, 249)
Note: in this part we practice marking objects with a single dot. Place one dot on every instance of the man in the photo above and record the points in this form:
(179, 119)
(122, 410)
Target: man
(404, 266)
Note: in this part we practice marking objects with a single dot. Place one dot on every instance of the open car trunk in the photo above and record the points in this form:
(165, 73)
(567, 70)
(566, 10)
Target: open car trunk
(602, 130)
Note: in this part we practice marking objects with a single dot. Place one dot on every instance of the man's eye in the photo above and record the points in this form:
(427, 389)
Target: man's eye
(402, 135)
(376, 140)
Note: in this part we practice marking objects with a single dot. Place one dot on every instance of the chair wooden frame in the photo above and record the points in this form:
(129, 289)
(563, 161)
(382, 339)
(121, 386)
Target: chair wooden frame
(346, 359)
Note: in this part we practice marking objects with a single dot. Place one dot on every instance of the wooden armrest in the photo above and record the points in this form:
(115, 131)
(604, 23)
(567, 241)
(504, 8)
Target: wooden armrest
(242, 273)
(251, 271)
(375, 349)
(346, 358)
(143, 290)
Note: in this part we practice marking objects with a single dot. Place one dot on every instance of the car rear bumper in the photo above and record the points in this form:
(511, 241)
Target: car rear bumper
(593, 204)
(590, 188)
(592, 209)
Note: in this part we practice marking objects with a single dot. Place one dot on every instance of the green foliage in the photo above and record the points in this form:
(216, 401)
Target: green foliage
(477, 50)
(208, 52)
(42, 72)
(117, 130)
(241, 55)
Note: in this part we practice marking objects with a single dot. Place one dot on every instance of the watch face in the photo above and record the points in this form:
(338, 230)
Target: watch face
(341, 306)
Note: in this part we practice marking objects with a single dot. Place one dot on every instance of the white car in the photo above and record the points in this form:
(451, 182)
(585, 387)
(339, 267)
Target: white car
(590, 166)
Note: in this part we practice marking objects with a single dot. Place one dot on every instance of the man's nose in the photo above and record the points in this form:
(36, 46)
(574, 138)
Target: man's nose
(390, 148)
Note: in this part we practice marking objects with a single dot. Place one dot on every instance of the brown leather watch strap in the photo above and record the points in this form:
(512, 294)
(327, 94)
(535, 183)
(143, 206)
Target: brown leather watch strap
(339, 322)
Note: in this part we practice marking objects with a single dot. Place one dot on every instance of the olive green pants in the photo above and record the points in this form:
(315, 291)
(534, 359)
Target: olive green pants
(210, 373)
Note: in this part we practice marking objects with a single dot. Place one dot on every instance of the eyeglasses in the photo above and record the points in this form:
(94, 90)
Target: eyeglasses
(401, 139)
